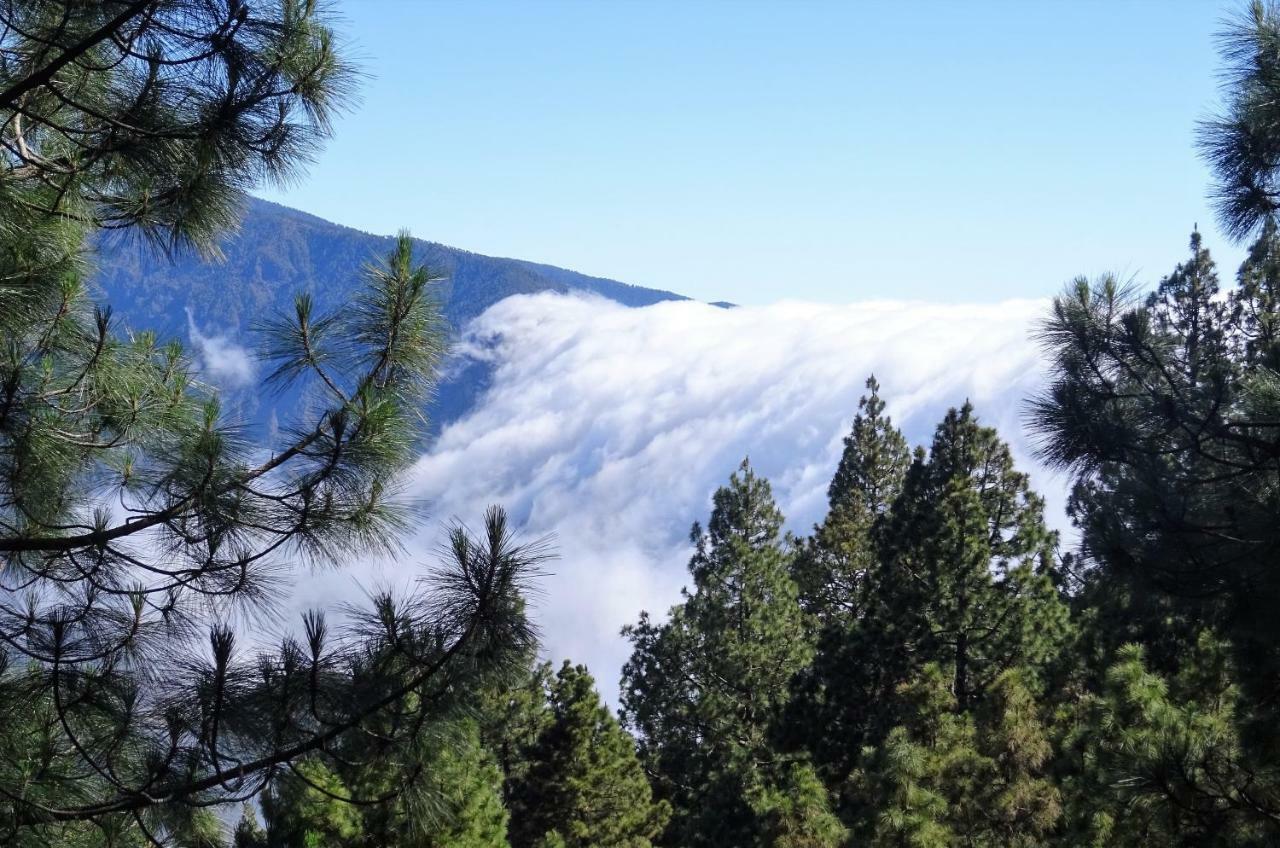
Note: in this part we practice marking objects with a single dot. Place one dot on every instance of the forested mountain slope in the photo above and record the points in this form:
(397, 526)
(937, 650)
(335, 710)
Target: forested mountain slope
(280, 252)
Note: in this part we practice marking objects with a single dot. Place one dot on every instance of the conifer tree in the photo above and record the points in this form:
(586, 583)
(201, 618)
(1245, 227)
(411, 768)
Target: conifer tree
(1241, 144)
(584, 787)
(834, 570)
(453, 798)
(901, 791)
(705, 689)
(831, 568)
(969, 578)
(1163, 408)
(512, 717)
(134, 521)
(459, 805)
(962, 577)
(795, 809)
(945, 777)
(249, 832)
(307, 808)
(1255, 303)
(1018, 801)
(1159, 759)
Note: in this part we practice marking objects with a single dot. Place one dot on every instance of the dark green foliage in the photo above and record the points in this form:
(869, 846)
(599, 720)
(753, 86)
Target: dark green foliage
(442, 792)
(155, 117)
(705, 689)
(967, 577)
(835, 571)
(948, 777)
(1255, 304)
(1165, 409)
(305, 808)
(956, 571)
(512, 717)
(538, 760)
(583, 787)
(248, 832)
(1159, 760)
(1241, 144)
(793, 807)
(831, 570)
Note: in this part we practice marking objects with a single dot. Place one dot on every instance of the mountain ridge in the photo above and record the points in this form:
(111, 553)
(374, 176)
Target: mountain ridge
(279, 252)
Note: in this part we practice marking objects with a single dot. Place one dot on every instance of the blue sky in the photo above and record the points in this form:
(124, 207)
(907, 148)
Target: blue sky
(752, 152)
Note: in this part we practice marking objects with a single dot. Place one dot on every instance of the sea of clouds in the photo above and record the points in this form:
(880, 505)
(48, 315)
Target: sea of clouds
(609, 427)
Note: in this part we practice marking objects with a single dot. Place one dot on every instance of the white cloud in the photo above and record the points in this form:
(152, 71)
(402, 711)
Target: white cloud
(611, 427)
(221, 360)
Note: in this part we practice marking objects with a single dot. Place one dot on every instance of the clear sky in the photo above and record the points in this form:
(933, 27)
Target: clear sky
(756, 151)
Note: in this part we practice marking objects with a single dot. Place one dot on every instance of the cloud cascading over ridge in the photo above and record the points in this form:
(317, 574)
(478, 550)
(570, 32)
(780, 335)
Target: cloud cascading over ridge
(611, 427)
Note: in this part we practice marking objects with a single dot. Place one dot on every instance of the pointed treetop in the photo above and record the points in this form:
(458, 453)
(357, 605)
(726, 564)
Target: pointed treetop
(874, 458)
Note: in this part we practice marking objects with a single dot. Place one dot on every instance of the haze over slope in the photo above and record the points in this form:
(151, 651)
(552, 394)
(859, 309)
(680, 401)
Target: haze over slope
(610, 428)
(602, 413)
(280, 252)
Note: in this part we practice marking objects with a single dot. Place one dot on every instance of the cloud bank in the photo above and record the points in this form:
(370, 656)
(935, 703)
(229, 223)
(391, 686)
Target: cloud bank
(219, 359)
(610, 427)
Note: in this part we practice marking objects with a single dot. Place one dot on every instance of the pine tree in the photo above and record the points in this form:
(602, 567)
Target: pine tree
(442, 791)
(902, 789)
(307, 808)
(831, 568)
(962, 576)
(795, 809)
(249, 832)
(458, 804)
(945, 777)
(1163, 409)
(512, 716)
(1018, 802)
(705, 690)
(134, 519)
(968, 578)
(584, 787)
(1159, 759)
(1255, 304)
(1241, 145)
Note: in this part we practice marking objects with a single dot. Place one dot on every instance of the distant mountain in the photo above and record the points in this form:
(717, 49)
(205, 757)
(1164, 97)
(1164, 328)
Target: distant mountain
(279, 252)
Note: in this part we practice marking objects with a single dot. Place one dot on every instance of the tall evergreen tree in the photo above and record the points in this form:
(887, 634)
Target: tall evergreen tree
(585, 787)
(512, 716)
(962, 576)
(834, 571)
(1164, 411)
(1255, 303)
(969, 577)
(831, 567)
(705, 689)
(1163, 408)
